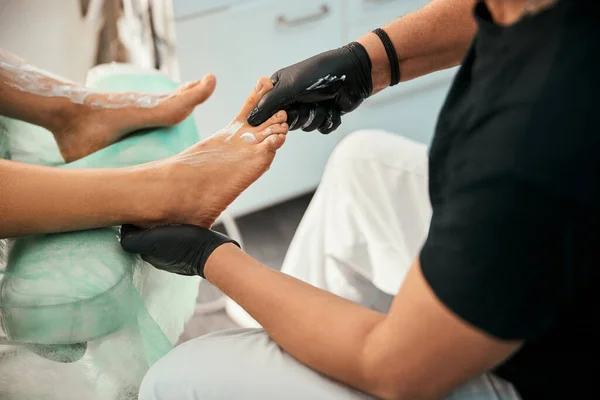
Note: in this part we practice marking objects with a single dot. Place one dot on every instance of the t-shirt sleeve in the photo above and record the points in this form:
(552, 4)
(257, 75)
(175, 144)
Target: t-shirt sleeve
(496, 256)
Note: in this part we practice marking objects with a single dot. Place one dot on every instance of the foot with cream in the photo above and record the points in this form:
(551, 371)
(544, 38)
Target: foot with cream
(103, 118)
(215, 171)
(84, 121)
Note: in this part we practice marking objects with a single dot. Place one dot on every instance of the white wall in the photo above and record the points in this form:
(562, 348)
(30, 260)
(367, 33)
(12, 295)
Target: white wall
(50, 34)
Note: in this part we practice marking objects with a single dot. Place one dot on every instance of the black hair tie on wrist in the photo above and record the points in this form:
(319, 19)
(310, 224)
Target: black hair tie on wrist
(392, 55)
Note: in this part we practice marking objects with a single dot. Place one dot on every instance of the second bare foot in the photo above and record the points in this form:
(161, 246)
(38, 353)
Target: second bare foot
(105, 118)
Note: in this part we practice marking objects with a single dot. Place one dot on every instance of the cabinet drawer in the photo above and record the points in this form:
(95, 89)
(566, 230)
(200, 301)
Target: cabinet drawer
(191, 8)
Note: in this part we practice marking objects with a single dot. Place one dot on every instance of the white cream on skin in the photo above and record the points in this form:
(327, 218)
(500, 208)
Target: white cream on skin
(17, 74)
(230, 130)
(248, 137)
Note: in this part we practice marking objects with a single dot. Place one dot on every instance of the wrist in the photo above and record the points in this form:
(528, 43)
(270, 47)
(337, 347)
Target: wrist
(224, 254)
(381, 71)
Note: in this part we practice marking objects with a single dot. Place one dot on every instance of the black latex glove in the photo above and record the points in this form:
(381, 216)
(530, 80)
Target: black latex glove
(317, 91)
(181, 249)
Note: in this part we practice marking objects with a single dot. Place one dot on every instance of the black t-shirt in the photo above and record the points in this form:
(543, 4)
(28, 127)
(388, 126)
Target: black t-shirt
(513, 247)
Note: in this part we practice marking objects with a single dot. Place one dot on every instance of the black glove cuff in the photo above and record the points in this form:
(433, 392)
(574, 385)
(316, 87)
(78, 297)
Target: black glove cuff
(363, 67)
(211, 241)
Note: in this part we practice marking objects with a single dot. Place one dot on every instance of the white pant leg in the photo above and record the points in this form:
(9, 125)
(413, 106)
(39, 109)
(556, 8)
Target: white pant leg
(247, 364)
(367, 220)
(237, 364)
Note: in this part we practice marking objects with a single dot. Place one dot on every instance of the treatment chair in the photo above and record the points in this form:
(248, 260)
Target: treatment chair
(79, 318)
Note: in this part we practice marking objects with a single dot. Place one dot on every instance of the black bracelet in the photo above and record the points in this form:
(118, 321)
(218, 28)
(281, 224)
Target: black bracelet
(392, 55)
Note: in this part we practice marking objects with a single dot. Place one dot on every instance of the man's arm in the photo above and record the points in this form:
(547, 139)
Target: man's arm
(420, 350)
(318, 91)
(491, 275)
(433, 38)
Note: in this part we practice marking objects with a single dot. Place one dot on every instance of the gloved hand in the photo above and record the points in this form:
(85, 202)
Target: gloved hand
(317, 91)
(181, 249)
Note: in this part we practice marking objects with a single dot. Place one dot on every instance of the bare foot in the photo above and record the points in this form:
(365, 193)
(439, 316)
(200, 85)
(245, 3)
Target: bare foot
(105, 118)
(215, 171)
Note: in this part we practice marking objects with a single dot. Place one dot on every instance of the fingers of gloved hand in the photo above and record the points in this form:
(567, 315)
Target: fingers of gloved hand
(298, 116)
(166, 239)
(276, 100)
(293, 116)
(307, 117)
(317, 116)
(180, 268)
(133, 239)
(333, 121)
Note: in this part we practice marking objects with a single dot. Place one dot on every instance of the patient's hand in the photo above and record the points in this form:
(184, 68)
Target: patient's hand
(105, 118)
(203, 180)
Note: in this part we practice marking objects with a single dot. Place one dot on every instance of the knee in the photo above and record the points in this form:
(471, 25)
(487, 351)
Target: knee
(176, 377)
(357, 144)
(378, 146)
(214, 366)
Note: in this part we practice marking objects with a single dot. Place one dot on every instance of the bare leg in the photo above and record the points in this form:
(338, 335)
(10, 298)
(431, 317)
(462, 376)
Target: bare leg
(83, 121)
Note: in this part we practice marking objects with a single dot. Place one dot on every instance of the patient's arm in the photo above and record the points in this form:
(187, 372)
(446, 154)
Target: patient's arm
(83, 121)
(193, 187)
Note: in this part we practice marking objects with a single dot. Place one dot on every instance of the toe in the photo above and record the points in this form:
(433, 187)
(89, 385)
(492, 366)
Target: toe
(277, 129)
(201, 90)
(273, 143)
(277, 119)
(263, 85)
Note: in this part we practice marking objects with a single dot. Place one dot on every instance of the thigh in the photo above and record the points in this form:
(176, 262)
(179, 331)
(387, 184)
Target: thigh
(237, 364)
(248, 364)
(485, 387)
(378, 192)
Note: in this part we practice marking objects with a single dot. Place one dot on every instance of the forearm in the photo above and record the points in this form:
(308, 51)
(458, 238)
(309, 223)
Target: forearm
(324, 331)
(428, 40)
(36, 199)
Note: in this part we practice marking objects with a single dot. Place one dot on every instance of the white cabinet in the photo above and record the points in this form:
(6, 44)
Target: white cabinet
(193, 8)
(241, 40)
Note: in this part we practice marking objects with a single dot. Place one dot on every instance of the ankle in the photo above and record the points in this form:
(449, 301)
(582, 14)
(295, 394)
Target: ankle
(62, 115)
(153, 204)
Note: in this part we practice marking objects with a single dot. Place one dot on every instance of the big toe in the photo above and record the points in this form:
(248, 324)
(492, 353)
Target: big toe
(200, 91)
(263, 86)
(273, 143)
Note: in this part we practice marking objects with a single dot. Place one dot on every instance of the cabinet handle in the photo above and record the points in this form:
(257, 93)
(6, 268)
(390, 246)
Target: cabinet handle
(378, 1)
(322, 13)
